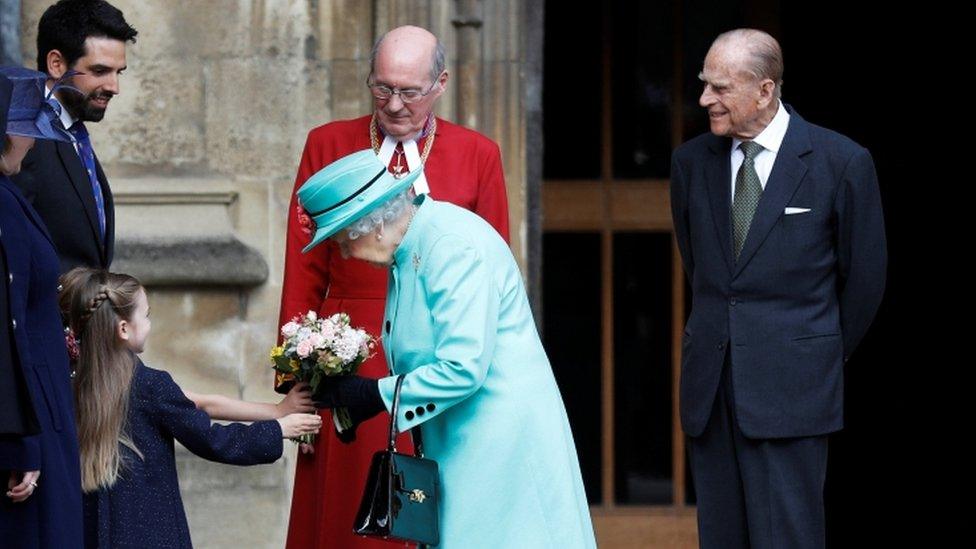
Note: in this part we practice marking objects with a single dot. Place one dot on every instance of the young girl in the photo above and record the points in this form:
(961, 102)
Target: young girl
(129, 414)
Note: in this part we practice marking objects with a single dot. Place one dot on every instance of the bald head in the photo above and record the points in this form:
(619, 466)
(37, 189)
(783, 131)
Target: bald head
(409, 46)
(754, 52)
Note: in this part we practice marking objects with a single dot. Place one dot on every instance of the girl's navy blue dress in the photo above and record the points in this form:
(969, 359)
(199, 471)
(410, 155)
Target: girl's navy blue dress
(144, 509)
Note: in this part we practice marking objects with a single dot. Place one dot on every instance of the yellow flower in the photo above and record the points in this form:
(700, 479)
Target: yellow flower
(281, 378)
(277, 351)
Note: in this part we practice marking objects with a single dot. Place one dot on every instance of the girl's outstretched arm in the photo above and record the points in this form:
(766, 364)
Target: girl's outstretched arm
(298, 400)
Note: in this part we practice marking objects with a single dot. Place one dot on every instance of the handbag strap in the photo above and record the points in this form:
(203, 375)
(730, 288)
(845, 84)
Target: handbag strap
(393, 413)
(418, 441)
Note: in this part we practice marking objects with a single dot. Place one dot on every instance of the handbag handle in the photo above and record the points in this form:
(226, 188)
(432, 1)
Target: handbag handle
(418, 442)
(393, 413)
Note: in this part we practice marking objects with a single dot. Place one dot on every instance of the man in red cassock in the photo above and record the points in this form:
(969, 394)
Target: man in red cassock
(407, 76)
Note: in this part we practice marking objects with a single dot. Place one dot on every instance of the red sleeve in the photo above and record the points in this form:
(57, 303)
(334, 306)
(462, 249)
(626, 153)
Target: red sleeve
(492, 203)
(306, 276)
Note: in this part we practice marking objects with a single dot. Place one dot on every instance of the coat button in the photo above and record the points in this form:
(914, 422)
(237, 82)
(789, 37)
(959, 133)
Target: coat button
(13, 323)
(431, 407)
(721, 346)
(387, 326)
(10, 277)
(408, 415)
(420, 410)
(732, 302)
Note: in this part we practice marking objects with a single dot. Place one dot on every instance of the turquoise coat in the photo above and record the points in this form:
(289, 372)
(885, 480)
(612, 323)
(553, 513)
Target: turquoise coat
(480, 387)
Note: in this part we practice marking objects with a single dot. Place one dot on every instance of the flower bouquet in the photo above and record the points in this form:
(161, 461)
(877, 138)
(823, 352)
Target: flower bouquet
(313, 348)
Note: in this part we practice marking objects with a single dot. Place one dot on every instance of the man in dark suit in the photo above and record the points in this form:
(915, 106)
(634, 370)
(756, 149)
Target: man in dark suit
(780, 229)
(64, 181)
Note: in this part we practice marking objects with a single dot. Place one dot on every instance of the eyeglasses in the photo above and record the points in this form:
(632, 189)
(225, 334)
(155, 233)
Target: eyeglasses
(409, 95)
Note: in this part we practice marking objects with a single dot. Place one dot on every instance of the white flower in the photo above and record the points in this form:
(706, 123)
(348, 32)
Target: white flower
(290, 329)
(328, 332)
(311, 316)
(347, 345)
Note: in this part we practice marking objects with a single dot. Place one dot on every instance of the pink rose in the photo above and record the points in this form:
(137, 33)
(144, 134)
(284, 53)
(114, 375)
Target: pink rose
(304, 348)
(317, 341)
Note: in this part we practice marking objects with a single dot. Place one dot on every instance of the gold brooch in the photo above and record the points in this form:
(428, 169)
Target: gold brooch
(417, 495)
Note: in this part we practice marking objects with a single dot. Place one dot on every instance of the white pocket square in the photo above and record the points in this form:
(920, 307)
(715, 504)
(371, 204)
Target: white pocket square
(794, 211)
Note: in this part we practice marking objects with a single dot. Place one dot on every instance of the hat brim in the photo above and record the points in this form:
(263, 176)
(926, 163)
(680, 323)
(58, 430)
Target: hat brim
(351, 212)
(39, 128)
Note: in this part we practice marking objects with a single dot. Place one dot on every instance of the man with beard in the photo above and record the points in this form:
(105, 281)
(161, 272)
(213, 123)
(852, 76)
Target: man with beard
(64, 181)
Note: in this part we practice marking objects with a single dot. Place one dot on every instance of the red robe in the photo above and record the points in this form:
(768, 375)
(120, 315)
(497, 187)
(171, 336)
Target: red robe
(464, 167)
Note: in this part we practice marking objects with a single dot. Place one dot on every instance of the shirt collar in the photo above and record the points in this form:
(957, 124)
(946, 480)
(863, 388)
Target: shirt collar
(66, 119)
(771, 138)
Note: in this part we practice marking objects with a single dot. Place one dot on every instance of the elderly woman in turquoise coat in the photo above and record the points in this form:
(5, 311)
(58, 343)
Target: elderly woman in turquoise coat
(477, 382)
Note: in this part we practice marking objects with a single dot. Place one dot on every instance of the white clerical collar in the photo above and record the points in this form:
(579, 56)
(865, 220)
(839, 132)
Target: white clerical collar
(412, 156)
(771, 138)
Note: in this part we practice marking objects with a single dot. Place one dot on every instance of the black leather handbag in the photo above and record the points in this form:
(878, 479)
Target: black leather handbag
(401, 498)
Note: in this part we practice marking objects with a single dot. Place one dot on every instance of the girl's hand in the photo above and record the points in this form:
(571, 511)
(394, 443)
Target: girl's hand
(294, 425)
(298, 399)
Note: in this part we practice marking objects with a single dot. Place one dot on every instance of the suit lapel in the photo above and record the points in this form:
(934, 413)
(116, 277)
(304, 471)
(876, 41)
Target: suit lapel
(788, 171)
(718, 175)
(82, 185)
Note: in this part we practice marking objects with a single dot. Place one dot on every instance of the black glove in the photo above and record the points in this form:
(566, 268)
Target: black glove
(357, 415)
(349, 392)
(360, 396)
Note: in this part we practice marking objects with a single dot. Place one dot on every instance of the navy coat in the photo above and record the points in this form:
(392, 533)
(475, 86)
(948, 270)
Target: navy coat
(17, 417)
(52, 516)
(801, 295)
(143, 508)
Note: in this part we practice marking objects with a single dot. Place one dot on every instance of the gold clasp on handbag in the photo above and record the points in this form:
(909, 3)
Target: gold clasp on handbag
(417, 495)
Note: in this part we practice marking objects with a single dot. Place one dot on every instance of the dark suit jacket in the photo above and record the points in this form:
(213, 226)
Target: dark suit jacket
(801, 295)
(53, 179)
(52, 516)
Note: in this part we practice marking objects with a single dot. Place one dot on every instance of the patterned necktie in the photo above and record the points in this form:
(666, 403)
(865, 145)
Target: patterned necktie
(748, 189)
(83, 142)
(398, 164)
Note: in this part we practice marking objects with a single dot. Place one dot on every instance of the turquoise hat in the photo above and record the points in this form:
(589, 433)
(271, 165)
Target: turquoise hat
(344, 191)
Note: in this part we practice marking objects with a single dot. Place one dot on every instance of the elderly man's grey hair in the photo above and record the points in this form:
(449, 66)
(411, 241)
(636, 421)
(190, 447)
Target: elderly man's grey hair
(437, 63)
(766, 57)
